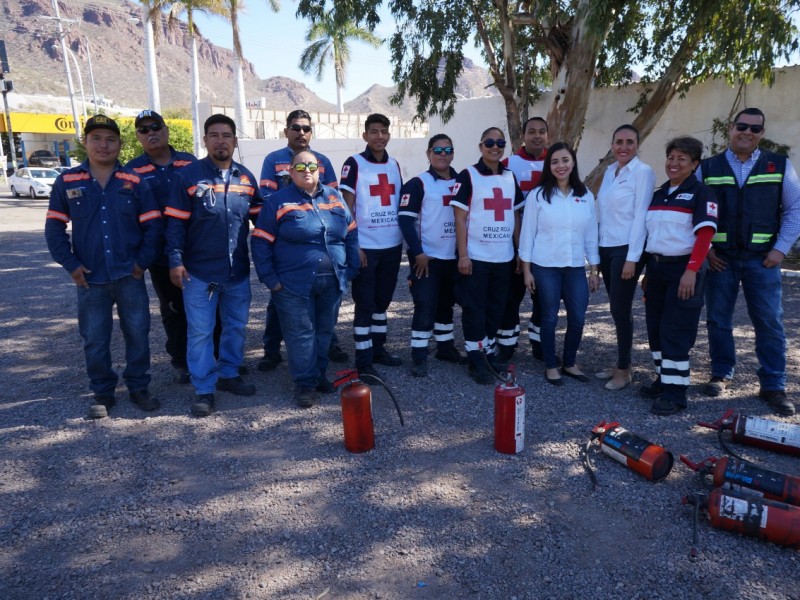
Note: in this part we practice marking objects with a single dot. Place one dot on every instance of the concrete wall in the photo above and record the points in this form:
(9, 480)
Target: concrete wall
(608, 108)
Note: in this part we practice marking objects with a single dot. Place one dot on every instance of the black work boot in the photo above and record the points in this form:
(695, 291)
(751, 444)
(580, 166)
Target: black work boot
(478, 370)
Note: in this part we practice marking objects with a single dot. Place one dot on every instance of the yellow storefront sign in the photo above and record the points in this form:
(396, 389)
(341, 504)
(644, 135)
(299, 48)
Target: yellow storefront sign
(55, 124)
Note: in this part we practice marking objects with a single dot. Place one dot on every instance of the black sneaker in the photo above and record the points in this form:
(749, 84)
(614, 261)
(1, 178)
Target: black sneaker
(452, 355)
(505, 353)
(716, 385)
(235, 385)
(665, 408)
(337, 355)
(203, 405)
(304, 397)
(270, 361)
(181, 375)
(370, 370)
(386, 359)
(102, 403)
(419, 369)
(324, 386)
(778, 402)
(651, 391)
(145, 401)
(481, 375)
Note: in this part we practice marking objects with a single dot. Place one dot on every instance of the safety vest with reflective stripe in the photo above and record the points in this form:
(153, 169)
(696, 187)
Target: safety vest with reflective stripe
(749, 217)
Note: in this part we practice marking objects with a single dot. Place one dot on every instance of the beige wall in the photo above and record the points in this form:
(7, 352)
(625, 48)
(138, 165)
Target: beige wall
(691, 115)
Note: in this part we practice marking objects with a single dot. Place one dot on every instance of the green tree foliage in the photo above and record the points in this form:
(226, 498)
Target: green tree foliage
(180, 137)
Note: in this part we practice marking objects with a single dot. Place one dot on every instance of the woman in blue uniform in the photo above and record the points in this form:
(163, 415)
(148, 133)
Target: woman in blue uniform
(681, 221)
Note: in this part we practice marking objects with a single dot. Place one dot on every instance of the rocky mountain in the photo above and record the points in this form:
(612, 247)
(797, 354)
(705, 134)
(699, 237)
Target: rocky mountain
(113, 33)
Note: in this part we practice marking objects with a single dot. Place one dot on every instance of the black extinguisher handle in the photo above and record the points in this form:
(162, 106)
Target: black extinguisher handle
(367, 378)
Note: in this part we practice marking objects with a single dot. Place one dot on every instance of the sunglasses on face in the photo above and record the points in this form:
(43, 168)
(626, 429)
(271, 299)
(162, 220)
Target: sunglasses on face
(442, 150)
(490, 143)
(301, 167)
(746, 126)
(303, 128)
(145, 129)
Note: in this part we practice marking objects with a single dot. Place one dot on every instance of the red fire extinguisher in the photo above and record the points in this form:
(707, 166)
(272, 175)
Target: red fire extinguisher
(769, 520)
(649, 460)
(759, 432)
(356, 399)
(741, 475)
(509, 414)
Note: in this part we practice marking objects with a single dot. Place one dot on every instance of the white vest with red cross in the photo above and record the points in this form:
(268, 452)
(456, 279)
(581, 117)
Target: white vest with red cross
(377, 198)
(490, 223)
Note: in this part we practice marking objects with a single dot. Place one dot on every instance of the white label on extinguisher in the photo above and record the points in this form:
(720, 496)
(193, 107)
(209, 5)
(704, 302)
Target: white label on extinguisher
(617, 456)
(772, 431)
(737, 509)
(519, 423)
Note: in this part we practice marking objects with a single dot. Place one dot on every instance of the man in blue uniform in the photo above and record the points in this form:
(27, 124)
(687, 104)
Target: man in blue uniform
(207, 234)
(275, 176)
(159, 166)
(759, 220)
(116, 234)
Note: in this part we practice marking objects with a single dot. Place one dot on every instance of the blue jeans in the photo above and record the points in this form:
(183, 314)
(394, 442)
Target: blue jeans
(553, 284)
(201, 315)
(762, 293)
(307, 324)
(95, 323)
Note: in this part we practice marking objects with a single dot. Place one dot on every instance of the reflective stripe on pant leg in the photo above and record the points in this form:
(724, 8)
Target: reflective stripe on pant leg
(657, 361)
(533, 333)
(419, 339)
(489, 345)
(361, 338)
(508, 337)
(442, 332)
(675, 372)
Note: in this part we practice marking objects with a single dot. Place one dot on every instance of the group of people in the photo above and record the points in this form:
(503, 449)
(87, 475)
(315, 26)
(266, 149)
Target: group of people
(482, 238)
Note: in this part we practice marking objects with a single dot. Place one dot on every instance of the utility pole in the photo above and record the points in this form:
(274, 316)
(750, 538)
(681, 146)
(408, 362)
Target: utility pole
(61, 35)
(6, 86)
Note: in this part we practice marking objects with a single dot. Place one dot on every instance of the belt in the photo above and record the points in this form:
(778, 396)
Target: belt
(670, 259)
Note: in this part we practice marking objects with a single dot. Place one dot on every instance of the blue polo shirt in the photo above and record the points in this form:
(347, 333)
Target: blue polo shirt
(207, 223)
(113, 228)
(298, 235)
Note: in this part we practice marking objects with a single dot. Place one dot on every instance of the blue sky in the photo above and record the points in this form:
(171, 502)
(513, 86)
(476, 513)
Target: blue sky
(273, 43)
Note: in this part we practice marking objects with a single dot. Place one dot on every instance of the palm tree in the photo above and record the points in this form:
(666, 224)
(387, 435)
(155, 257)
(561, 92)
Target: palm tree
(329, 39)
(234, 7)
(174, 9)
(153, 93)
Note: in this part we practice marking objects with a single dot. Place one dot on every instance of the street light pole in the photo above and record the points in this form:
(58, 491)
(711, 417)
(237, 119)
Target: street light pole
(70, 87)
(80, 78)
(91, 72)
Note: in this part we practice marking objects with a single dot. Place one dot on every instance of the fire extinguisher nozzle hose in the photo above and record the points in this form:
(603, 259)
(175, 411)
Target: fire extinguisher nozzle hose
(586, 461)
(372, 378)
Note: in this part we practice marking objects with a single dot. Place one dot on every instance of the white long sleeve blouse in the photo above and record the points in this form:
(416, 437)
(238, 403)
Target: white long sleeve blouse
(561, 233)
(622, 203)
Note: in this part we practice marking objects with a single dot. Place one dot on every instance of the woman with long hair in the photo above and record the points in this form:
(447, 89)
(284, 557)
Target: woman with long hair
(557, 239)
(622, 203)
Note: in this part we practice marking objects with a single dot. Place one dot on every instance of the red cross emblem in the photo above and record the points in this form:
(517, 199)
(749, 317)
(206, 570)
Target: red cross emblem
(384, 189)
(448, 197)
(498, 204)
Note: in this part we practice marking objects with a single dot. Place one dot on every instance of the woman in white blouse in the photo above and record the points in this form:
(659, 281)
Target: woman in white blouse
(622, 203)
(558, 237)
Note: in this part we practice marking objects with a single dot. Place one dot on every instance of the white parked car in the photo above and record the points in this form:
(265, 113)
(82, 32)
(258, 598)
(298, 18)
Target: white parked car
(32, 181)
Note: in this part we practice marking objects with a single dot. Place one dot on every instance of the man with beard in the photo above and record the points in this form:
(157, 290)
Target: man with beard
(207, 234)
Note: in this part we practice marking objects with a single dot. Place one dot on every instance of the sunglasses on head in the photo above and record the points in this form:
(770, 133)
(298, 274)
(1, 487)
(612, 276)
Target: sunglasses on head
(490, 143)
(145, 129)
(442, 150)
(303, 128)
(746, 126)
(301, 167)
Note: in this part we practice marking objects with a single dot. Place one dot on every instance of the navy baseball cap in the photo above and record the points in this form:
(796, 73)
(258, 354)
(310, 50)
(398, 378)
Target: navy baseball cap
(100, 122)
(148, 114)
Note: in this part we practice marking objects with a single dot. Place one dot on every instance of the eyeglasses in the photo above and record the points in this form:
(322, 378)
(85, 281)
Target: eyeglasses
(303, 128)
(442, 150)
(490, 143)
(301, 167)
(145, 129)
(745, 126)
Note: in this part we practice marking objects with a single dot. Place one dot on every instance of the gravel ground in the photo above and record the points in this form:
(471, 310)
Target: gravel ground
(262, 501)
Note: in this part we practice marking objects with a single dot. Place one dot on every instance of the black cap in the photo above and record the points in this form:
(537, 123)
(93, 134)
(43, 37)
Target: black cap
(100, 122)
(148, 114)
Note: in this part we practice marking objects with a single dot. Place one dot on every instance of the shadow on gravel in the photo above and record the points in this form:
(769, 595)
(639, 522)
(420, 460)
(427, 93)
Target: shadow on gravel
(262, 500)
